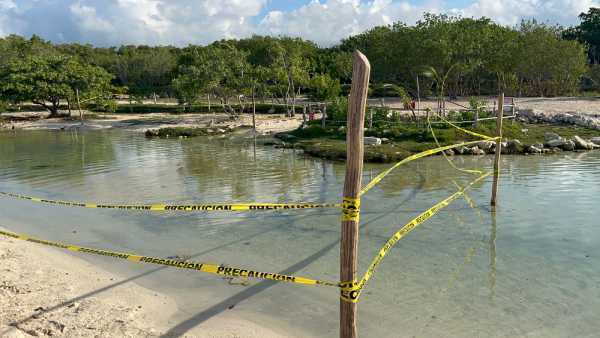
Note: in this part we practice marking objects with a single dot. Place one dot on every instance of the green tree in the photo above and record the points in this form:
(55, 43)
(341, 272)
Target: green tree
(46, 80)
(324, 88)
(588, 33)
(220, 70)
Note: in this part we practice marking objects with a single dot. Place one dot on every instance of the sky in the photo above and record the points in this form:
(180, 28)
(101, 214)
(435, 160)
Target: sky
(183, 22)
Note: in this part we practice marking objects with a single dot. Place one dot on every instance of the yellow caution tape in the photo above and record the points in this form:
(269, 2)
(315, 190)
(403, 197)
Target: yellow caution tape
(351, 290)
(351, 209)
(179, 207)
(182, 264)
(485, 137)
(468, 171)
(426, 153)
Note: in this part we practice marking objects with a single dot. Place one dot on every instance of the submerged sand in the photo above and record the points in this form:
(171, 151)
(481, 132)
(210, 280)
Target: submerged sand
(46, 292)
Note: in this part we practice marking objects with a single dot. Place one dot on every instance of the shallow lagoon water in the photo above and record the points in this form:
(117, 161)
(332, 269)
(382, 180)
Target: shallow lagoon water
(531, 270)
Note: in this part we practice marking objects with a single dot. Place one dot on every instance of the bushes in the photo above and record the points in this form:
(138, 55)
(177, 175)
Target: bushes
(199, 108)
(387, 90)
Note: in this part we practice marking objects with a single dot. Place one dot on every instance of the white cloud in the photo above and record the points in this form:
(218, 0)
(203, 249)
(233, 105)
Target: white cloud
(510, 12)
(329, 21)
(89, 19)
(181, 22)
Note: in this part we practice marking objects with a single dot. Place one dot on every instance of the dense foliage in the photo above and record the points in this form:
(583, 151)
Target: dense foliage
(444, 55)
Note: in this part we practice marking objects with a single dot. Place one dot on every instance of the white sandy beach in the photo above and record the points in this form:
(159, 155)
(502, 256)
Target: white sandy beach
(47, 292)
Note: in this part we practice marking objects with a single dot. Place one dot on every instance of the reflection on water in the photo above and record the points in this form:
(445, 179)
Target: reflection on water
(529, 269)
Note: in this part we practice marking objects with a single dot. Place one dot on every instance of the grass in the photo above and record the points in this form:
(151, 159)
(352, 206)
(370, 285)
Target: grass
(407, 138)
(177, 132)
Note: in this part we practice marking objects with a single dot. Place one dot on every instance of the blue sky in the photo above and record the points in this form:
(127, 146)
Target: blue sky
(181, 22)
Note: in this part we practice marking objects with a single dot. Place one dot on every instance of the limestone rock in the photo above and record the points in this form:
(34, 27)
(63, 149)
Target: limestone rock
(486, 145)
(569, 145)
(582, 144)
(556, 143)
(534, 150)
(514, 147)
(552, 136)
(449, 152)
(461, 150)
(372, 141)
(476, 151)
(595, 140)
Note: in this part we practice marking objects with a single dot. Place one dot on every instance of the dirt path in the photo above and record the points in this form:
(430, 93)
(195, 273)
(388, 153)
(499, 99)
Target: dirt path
(553, 105)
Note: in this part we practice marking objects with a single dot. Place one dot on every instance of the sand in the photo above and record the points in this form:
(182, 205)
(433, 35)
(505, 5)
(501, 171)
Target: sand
(47, 292)
(553, 105)
(265, 123)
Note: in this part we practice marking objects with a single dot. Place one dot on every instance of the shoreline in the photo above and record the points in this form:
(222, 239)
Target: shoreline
(64, 295)
(265, 123)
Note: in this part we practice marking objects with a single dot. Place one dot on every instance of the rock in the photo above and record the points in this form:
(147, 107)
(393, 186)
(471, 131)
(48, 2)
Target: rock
(449, 152)
(514, 147)
(385, 140)
(372, 141)
(476, 151)
(538, 145)
(555, 143)
(569, 145)
(595, 140)
(582, 144)
(486, 145)
(552, 136)
(533, 150)
(461, 150)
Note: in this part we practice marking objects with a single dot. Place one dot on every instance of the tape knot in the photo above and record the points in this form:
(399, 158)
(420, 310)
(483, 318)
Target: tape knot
(351, 209)
(350, 291)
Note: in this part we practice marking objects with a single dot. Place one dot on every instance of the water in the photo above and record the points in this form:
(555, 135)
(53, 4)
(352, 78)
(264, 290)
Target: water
(532, 270)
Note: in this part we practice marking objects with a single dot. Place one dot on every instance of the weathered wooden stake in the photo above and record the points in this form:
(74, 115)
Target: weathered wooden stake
(79, 105)
(418, 94)
(512, 109)
(354, 166)
(254, 116)
(304, 114)
(324, 115)
(498, 148)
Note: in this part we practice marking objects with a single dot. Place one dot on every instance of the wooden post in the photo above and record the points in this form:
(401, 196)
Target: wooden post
(512, 108)
(354, 166)
(79, 105)
(476, 118)
(324, 115)
(304, 114)
(254, 117)
(208, 99)
(371, 118)
(498, 148)
(418, 94)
